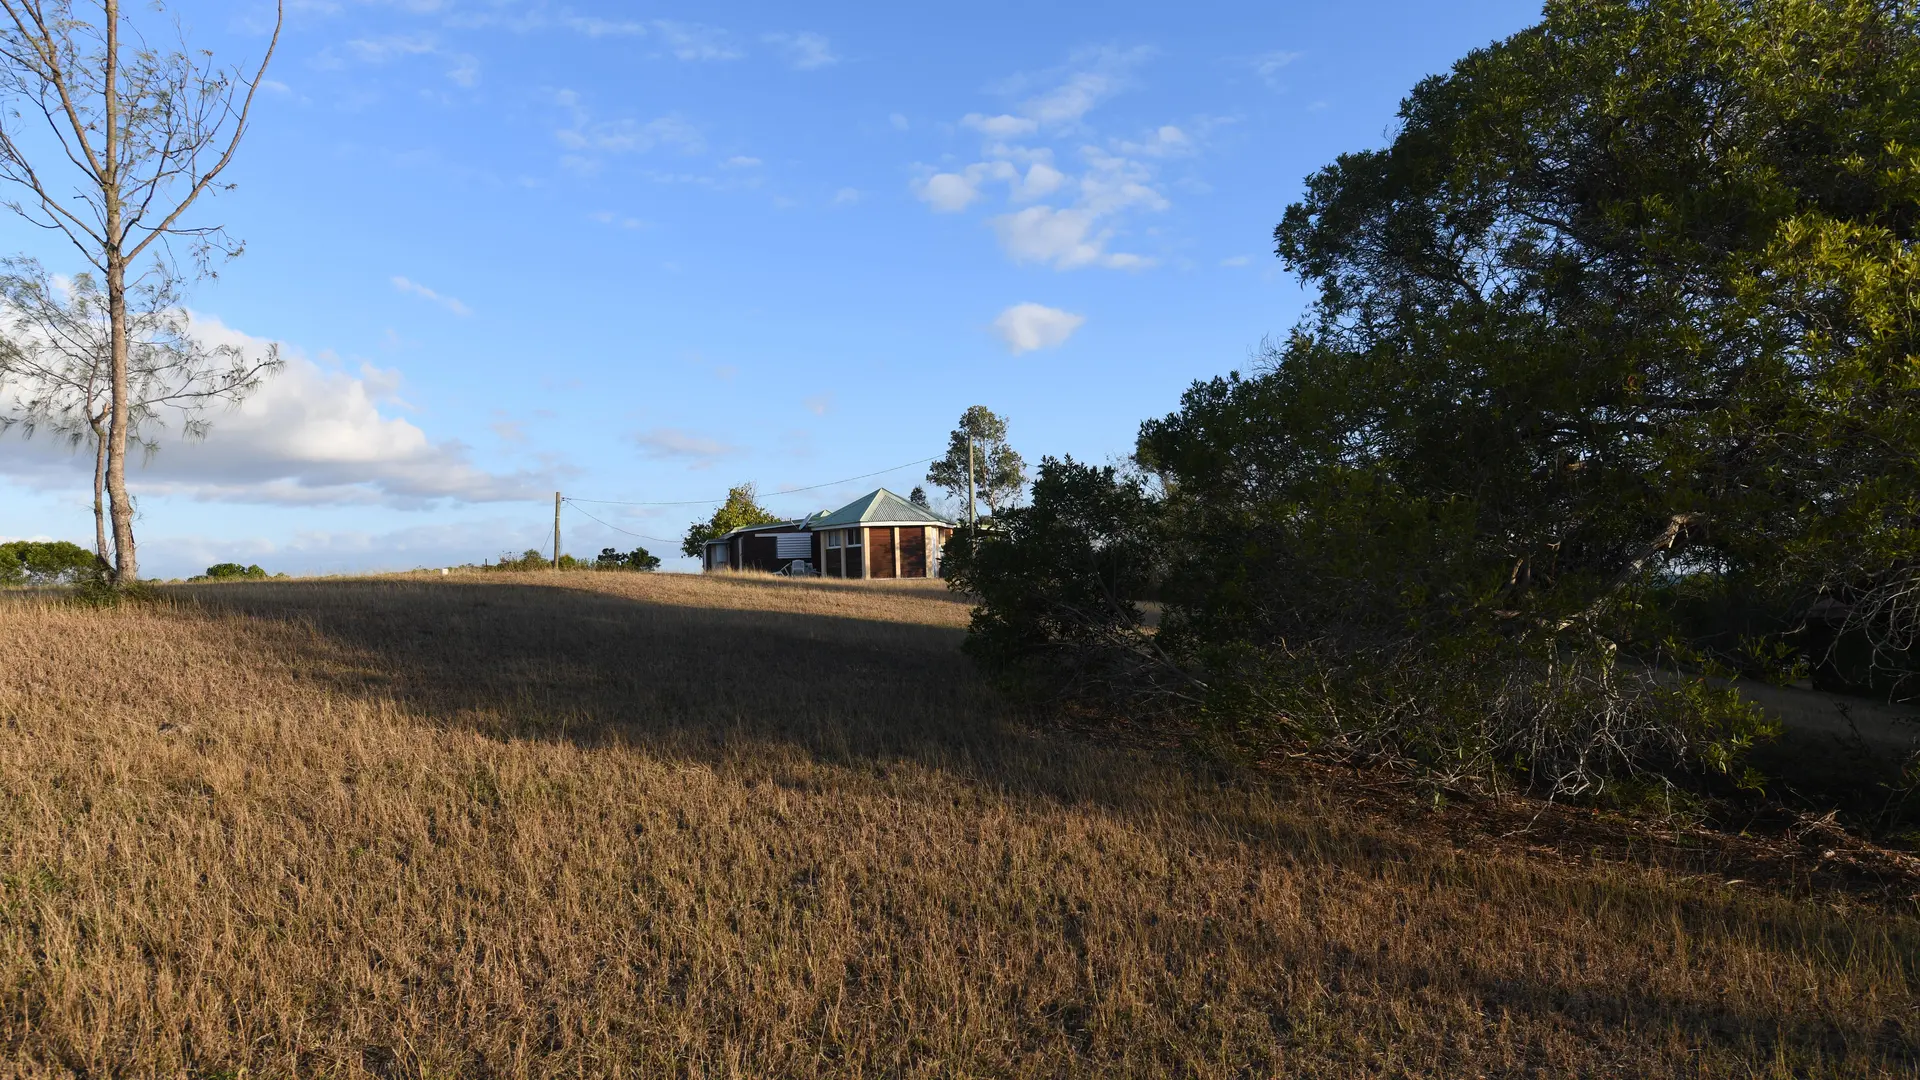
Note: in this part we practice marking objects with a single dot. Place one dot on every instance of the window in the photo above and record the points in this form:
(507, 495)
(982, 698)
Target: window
(853, 537)
(833, 538)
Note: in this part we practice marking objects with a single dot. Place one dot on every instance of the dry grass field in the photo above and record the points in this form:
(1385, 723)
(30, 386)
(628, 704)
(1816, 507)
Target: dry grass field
(650, 825)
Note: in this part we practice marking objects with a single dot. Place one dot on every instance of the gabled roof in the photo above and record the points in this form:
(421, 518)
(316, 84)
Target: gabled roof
(795, 525)
(880, 505)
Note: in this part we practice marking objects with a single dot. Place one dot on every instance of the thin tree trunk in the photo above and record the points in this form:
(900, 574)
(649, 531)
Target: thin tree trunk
(100, 491)
(126, 565)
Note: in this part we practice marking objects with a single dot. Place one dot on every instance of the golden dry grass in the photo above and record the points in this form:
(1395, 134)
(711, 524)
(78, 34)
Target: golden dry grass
(632, 825)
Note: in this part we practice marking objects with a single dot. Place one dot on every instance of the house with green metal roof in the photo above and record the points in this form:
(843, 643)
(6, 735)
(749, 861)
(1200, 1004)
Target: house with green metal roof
(878, 535)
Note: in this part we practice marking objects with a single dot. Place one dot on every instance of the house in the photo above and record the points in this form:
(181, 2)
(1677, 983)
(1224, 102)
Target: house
(879, 535)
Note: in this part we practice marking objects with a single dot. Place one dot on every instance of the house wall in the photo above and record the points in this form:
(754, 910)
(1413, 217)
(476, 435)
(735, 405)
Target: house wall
(883, 555)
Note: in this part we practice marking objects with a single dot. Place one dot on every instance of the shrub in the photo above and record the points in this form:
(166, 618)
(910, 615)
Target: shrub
(637, 559)
(229, 571)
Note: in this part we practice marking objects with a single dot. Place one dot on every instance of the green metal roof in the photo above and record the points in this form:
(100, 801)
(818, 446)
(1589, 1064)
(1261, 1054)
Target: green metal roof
(880, 505)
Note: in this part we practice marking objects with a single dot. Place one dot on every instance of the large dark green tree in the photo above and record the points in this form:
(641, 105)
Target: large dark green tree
(1631, 298)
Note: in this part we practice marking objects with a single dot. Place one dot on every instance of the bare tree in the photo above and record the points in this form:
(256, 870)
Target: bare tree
(111, 140)
(58, 359)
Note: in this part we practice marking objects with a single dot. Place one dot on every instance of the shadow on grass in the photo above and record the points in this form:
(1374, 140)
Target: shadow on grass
(719, 686)
(531, 661)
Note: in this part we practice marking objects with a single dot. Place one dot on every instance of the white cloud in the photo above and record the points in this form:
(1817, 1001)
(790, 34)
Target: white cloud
(1237, 260)
(425, 293)
(465, 71)
(1076, 229)
(846, 196)
(898, 120)
(595, 26)
(948, 193)
(1269, 65)
(631, 136)
(806, 51)
(819, 404)
(1029, 326)
(1001, 127)
(1089, 78)
(309, 436)
(1113, 183)
(692, 41)
(1164, 141)
(1041, 180)
(675, 444)
(741, 161)
(390, 47)
(1063, 239)
(608, 217)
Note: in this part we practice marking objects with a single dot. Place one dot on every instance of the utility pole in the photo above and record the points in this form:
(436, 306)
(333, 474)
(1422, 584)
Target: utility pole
(556, 531)
(973, 539)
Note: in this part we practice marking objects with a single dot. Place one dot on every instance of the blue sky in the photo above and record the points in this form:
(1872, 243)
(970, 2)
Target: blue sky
(642, 253)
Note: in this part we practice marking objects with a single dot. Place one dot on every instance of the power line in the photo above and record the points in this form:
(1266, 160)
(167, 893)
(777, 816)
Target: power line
(629, 532)
(711, 502)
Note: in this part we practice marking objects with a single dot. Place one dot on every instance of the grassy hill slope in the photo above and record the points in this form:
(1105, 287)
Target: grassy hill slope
(632, 825)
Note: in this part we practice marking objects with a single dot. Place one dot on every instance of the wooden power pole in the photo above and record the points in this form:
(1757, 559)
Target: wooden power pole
(973, 517)
(556, 530)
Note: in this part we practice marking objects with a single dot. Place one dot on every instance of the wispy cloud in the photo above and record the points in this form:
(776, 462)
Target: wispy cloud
(587, 139)
(1075, 218)
(805, 51)
(694, 41)
(619, 221)
(676, 444)
(417, 289)
(1269, 65)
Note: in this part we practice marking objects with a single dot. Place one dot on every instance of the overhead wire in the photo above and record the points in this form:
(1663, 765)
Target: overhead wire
(618, 529)
(723, 498)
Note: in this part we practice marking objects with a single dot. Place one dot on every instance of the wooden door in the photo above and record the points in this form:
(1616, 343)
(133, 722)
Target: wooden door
(913, 551)
(880, 552)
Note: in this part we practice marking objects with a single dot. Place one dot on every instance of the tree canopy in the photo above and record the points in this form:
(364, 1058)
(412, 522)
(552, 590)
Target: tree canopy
(44, 562)
(999, 473)
(741, 509)
(1627, 301)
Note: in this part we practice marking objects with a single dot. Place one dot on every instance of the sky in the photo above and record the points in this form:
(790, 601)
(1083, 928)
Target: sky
(641, 253)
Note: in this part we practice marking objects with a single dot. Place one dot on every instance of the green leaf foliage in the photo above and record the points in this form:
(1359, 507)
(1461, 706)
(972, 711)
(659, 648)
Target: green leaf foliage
(1621, 327)
(741, 509)
(230, 571)
(999, 472)
(637, 559)
(44, 562)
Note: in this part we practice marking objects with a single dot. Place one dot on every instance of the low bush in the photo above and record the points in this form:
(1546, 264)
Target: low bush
(231, 571)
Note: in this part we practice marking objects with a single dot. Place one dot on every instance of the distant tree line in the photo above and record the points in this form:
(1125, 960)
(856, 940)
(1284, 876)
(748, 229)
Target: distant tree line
(1610, 374)
(638, 559)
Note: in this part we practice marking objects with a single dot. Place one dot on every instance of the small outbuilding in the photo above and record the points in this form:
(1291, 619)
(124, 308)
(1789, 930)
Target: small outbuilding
(879, 535)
